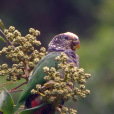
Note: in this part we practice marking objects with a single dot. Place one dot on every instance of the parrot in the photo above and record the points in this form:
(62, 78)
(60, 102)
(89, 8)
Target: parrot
(66, 42)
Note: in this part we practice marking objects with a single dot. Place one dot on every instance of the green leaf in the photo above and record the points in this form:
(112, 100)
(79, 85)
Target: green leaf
(1, 38)
(1, 24)
(6, 102)
(32, 110)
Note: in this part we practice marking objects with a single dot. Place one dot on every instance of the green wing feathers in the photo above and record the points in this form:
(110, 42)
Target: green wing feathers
(37, 76)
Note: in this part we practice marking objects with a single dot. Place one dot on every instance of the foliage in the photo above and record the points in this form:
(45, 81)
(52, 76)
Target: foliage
(21, 50)
(93, 21)
(6, 102)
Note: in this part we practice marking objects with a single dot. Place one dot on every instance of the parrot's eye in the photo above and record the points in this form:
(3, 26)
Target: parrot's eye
(66, 37)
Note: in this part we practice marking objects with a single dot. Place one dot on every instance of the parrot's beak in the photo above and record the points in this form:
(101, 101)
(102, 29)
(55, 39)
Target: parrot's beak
(76, 44)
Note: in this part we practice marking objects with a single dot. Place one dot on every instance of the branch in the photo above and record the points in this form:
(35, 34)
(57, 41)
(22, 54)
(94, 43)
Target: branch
(6, 38)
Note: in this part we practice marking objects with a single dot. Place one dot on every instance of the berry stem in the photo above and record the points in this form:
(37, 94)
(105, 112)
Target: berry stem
(18, 86)
(6, 38)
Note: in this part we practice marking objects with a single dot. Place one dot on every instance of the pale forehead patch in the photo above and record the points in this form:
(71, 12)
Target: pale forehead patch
(71, 34)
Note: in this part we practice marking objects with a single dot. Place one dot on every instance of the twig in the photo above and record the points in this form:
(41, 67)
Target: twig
(27, 71)
(18, 86)
(15, 91)
(7, 38)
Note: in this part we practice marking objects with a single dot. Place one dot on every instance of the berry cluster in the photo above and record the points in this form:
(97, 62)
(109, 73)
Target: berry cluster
(22, 52)
(60, 84)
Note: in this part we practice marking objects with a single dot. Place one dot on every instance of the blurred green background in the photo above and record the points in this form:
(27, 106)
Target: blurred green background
(92, 21)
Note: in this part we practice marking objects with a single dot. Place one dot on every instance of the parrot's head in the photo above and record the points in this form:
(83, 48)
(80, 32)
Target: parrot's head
(63, 42)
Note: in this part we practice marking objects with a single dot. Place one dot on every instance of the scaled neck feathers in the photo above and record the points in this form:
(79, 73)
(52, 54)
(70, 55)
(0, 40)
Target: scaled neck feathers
(73, 57)
(56, 48)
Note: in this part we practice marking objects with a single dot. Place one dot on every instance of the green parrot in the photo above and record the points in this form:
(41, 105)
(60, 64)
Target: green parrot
(65, 42)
